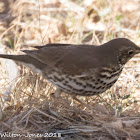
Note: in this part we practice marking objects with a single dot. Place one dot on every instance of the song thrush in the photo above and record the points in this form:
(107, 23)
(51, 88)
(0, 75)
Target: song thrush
(79, 69)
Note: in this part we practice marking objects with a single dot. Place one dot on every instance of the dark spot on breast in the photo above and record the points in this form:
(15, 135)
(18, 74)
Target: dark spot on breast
(70, 86)
(102, 76)
(74, 80)
(86, 78)
(98, 87)
(66, 82)
(101, 81)
(56, 78)
(84, 86)
(89, 85)
(70, 78)
(80, 90)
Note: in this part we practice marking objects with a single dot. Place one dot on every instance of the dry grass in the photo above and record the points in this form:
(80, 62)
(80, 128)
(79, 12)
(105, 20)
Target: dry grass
(33, 109)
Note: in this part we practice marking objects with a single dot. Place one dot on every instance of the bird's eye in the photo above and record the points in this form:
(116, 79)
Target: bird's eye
(130, 52)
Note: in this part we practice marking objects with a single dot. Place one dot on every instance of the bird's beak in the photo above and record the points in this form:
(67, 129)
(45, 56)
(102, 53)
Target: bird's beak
(138, 50)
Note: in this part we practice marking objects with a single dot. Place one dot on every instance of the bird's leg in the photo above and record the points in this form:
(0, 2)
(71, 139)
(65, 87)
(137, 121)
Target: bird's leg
(79, 101)
(57, 92)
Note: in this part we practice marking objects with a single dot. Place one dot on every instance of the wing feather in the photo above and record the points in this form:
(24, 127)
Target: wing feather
(70, 59)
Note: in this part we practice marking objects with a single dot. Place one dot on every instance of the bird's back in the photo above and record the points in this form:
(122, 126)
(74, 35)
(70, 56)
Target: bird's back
(73, 59)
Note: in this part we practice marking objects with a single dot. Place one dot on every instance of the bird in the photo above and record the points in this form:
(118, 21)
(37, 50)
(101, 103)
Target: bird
(79, 69)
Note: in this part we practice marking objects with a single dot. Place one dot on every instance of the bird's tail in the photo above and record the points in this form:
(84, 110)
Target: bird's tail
(19, 58)
(26, 60)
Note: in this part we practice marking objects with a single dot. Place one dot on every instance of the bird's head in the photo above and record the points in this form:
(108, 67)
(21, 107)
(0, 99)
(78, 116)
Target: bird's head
(125, 48)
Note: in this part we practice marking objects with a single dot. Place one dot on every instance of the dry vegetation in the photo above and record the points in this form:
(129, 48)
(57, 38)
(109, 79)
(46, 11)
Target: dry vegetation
(33, 108)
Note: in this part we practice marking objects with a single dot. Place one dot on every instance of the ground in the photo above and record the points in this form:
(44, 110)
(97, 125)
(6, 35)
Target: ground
(32, 109)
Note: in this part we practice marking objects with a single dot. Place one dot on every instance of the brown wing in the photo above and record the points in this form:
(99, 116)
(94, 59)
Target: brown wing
(71, 59)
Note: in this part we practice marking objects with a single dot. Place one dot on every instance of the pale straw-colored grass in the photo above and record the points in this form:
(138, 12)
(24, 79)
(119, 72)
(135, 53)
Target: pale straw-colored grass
(33, 108)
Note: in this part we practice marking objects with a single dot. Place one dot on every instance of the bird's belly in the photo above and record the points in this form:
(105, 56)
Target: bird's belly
(85, 86)
(32, 67)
